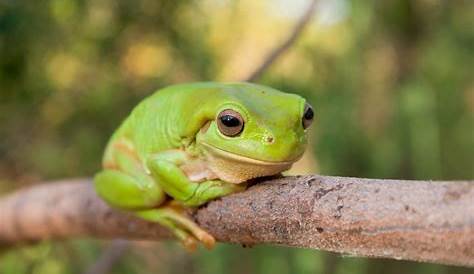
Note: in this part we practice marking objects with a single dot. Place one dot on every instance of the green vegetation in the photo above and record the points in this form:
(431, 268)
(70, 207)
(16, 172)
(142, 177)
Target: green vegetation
(391, 82)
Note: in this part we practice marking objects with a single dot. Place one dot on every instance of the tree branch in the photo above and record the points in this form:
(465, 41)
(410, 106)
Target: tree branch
(411, 220)
(286, 44)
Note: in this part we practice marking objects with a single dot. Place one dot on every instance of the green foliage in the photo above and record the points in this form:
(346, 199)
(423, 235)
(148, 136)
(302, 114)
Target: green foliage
(391, 83)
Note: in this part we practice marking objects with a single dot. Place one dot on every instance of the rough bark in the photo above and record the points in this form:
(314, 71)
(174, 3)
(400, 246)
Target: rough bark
(411, 220)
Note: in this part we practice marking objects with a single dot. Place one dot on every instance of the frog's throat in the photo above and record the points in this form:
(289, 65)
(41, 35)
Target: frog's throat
(234, 168)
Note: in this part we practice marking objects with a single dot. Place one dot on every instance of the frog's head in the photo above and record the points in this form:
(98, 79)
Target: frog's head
(256, 131)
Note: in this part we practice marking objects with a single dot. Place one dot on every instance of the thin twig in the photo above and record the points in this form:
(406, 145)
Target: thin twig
(286, 44)
(411, 220)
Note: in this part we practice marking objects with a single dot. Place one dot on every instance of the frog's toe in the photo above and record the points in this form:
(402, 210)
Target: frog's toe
(183, 221)
(180, 225)
(207, 240)
(190, 240)
(189, 243)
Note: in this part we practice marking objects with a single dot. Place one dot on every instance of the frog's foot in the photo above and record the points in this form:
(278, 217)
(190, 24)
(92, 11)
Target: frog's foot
(172, 217)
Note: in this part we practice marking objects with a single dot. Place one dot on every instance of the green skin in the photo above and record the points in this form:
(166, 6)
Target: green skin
(173, 135)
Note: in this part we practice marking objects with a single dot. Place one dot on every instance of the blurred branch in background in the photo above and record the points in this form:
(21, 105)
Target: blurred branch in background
(411, 220)
(114, 251)
(106, 261)
(286, 44)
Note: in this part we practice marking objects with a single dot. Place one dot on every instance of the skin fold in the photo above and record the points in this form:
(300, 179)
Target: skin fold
(191, 143)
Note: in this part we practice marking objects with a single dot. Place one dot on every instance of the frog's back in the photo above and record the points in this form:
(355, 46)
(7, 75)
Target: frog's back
(154, 124)
(145, 127)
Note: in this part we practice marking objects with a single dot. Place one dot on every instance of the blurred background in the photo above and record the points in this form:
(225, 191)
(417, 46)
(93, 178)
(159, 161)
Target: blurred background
(391, 81)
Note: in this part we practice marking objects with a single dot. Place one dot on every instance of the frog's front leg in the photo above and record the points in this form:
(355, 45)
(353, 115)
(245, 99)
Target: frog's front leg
(165, 169)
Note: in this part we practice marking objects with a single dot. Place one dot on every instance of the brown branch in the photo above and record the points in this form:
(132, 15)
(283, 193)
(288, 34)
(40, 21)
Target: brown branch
(411, 220)
(286, 44)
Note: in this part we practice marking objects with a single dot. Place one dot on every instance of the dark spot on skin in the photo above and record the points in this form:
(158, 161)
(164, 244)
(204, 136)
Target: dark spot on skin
(377, 190)
(319, 229)
(269, 139)
(407, 207)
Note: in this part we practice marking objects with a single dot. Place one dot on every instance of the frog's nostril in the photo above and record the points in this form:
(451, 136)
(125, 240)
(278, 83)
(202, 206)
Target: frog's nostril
(269, 139)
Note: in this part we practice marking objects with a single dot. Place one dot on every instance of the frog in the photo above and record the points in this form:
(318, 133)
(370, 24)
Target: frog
(188, 144)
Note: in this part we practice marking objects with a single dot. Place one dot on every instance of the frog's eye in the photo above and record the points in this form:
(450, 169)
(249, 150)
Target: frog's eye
(230, 122)
(308, 115)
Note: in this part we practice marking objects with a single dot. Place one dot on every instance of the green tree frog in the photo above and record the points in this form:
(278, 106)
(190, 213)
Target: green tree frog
(190, 143)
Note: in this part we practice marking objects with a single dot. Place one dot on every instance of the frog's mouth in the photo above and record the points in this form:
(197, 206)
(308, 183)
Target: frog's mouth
(234, 168)
(236, 157)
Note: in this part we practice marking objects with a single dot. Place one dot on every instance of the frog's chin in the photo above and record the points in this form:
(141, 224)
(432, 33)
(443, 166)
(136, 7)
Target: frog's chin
(234, 168)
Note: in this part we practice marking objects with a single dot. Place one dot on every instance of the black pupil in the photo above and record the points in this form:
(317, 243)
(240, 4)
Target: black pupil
(230, 121)
(309, 114)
